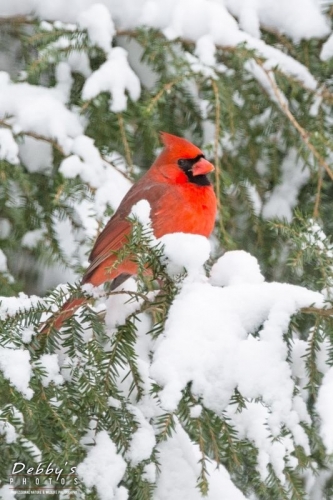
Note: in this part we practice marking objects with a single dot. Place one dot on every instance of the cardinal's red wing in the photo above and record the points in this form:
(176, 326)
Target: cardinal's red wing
(115, 233)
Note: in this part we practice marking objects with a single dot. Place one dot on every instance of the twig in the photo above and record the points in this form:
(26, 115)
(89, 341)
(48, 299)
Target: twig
(39, 137)
(168, 86)
(216, 141)
(324, 93)
(314, 310)
(125, 143)
(318, 194)
(302, 132)
(124, 174)
(54, 143)
(216, 156)
(16, 20)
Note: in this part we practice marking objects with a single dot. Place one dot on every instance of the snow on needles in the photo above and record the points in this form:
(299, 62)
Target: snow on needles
(99, 25)
(39, 110)
(114, 76)
(179, 463)
(324, 407)
(104, 468)
(15, 366)
(192, 19)
(221, 339)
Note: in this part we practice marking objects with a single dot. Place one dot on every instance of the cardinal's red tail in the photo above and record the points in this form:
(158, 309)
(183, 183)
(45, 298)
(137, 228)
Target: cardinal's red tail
(67, 310)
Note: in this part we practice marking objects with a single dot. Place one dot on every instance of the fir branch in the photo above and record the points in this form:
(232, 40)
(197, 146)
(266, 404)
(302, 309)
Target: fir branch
(305, 136)
(39, 137)
(125, 144)
(318, 193)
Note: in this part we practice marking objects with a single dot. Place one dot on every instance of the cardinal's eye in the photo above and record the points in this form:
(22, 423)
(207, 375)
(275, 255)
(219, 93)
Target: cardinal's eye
(182, 163)
(185, 164)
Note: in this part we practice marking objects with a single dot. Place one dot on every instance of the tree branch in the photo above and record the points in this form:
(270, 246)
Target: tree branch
(302, 132)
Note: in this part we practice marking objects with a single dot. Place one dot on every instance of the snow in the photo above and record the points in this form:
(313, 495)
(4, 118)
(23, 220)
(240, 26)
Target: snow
(49, 362)
(324, 406)
(202, 21)
(104, 469)
(86, 162)
(109, 186)
(211, 339)
(36, 155)
(185, 251)
(5, 228)
(195, 411)
(9, 306)
(38, 110)
(254, 197)
(15, 366)
(114, 76)
(32, 238)
(3, 262)
(327, 49)
(141, 212)
(205, 50)
(7, 429)
(253, 423)
(7, 493)
(143, 440)
(179, 464)
(99, 25)
(79, 63)
(8, 147)
(272, 303)
(149, 473)
(283, 198)
(264, 79)
(234, 268)
(27, 334)
(224, 331)
(119, 306)
(297, 18)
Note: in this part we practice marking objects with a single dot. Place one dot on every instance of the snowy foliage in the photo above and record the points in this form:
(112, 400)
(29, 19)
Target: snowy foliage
(213, 376)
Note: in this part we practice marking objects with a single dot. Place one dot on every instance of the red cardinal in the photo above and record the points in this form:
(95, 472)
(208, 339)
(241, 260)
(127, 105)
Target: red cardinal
(181, 200)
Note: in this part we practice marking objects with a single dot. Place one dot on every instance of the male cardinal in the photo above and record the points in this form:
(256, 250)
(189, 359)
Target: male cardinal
(181, 199)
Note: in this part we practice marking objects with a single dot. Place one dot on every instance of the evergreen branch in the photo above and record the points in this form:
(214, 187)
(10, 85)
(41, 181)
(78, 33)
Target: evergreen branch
(57, 146)
(128, 155)
(202, 482)
(318, 193)
(165, 89)
(216, 145)
(320, 311)
(305, 136)
(16, 20)
(311, 359)
(58, 417)
(324, 91)
(39, 137)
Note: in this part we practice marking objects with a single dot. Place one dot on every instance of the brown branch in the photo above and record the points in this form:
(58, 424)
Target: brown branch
(124, 174)
(54, 144)
(128, 155)
(320, 311)
(39, 137)
(324, 93)
(318, 194)
(16, 20)
(168, 86)
(302, 132)
(216, 141)
(216, 157)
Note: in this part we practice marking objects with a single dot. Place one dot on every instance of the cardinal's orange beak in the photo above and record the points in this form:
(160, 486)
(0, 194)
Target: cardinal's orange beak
(202, 167)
